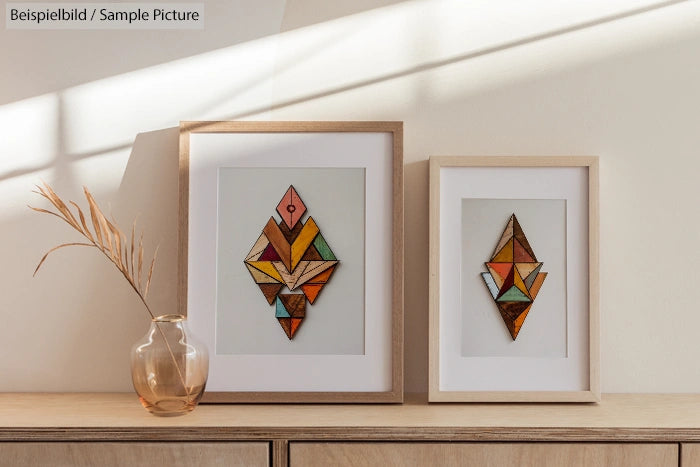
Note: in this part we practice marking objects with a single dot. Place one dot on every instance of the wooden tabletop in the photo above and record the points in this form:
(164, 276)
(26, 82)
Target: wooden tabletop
(639, 417)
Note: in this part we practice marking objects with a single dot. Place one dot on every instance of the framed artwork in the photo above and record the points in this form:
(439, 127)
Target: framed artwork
(291, 258)
(514, 279)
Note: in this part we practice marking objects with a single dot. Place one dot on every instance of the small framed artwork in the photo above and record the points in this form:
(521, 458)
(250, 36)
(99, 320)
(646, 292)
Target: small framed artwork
(514, 279)
(291, 258)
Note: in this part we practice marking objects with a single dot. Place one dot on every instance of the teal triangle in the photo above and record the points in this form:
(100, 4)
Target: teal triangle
(280, 310)
(490, 283)
(530, 279)
(323, 248)
(513, 294)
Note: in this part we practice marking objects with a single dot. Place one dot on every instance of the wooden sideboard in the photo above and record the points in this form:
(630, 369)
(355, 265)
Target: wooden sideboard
(113, 429)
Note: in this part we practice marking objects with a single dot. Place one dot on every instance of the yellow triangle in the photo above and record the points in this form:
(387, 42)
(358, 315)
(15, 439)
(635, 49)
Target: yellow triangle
(518, 282)
(260, 277)
(507, 235)
(268, 268)
(304, 239)
(505, 255)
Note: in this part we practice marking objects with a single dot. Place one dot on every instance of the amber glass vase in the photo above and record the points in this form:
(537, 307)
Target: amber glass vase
(169, 367)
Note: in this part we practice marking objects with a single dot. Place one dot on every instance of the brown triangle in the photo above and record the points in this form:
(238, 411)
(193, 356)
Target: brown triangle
(290, 235)
(279, 242)
(513, 309)
(509, 322)
(311, 254)
(510, 312)
(286, 324)
(295, 304)
(520, 237)
(520, 254)
(270, 291)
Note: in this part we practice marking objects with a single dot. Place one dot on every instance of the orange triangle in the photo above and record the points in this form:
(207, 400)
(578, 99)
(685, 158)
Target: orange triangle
(534, 290)
(296, 322)
(518, 323)
(323, 277)
(495, 276)
(505, 255)
(502, 269)
(311, 291)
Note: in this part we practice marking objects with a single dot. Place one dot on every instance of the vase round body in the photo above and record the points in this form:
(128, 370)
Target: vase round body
(169, 367)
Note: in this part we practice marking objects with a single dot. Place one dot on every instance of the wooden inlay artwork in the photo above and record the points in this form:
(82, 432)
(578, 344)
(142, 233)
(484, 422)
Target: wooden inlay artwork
(514, 278)
(292, 254)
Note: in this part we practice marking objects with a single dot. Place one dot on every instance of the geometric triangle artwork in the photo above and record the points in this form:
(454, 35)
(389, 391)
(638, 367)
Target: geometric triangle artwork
(513, 278)
(292, 255)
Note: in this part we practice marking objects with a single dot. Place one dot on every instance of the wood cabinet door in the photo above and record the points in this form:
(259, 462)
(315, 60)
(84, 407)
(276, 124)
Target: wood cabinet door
(690, 455)
(134, 454)
(403, 454)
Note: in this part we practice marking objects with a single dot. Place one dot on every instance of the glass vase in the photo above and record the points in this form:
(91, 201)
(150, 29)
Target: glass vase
(169, 367)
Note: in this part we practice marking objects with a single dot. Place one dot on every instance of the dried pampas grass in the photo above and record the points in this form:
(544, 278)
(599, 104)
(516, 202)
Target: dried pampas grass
(126, 255)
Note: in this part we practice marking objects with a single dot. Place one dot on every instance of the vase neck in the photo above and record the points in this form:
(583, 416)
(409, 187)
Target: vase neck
(168, 319)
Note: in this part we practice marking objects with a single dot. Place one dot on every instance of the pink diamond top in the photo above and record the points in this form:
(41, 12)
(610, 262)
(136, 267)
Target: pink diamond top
(291, 207)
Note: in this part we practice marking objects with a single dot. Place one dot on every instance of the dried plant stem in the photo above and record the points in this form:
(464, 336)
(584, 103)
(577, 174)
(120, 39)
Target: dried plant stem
(112, 243)
(141, 296)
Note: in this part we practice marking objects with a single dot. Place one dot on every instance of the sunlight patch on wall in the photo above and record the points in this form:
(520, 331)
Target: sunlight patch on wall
(31, 129)
(468, 47)
(415, 49)
(110, 112)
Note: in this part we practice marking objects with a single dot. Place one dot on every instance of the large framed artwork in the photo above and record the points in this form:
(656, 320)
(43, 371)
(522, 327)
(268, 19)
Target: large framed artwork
(291, 258)
(514, 279)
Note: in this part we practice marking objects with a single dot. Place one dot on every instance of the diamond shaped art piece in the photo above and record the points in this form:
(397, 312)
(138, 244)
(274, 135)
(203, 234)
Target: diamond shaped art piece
(514, 278)
(291, 255)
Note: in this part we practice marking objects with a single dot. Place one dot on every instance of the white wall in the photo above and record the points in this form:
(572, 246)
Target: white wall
(532, 77)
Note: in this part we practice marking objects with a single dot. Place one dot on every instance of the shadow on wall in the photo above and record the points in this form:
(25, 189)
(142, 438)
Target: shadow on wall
(301, 13)
(83, 315)
(149, 190)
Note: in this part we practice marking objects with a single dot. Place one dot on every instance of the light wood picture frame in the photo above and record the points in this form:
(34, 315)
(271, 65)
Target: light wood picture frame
(348, 176)
(478, 350)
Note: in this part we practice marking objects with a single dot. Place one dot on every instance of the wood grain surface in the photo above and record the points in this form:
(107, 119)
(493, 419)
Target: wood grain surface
(618, 417)
(77, 454)
(482, 454)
